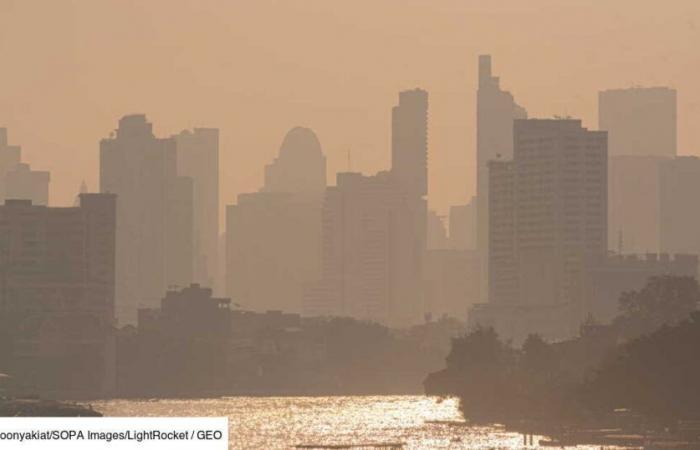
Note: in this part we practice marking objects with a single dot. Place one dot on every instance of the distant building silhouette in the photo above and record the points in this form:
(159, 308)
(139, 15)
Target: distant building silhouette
(273, 236)
(198, 159)
(452, 282)
(462, 226)
(679, 184)
(57, 270)
(25, 183)
(154, 214)
(609, 276)
(639, 121)
(548, 216)
(374, 234)
(437, 233)
(18, 180)
(300, 167)
(409, 141)
(495, 111)
(633, 209)
(370, 247)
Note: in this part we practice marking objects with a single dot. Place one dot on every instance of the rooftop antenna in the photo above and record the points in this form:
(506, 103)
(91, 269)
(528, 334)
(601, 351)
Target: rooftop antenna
(349, 161)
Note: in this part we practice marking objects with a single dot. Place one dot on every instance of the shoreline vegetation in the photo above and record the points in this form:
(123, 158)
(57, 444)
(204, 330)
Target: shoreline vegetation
(634, 382)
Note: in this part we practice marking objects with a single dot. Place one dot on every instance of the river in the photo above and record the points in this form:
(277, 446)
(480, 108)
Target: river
(283, 422)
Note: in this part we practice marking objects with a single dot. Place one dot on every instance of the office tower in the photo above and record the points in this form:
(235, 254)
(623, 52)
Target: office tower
(639, 121)
(548, 217)
(18, 180)
(57, 295)
(503, 256)
(560, 206)
(369, 253)
(437, 233)
(409, 141)
(151, 224)
(633, 209)
(495, 111)
(679, 181)
(462, 226)
(374, 231)
(198, 159)
(273, 236)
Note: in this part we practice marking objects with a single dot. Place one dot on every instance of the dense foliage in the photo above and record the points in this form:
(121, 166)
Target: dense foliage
(647, 361)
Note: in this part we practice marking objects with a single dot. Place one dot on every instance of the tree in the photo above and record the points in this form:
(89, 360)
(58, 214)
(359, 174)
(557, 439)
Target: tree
(664, 300)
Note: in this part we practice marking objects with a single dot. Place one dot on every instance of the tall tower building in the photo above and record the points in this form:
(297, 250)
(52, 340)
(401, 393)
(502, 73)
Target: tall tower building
(548, 220)
(153, 228)
(374, 233)
(198, 159)
(639, 121)
(273, 237)
(495, 112)
(409, 141)
(679, 182)
(560, 206)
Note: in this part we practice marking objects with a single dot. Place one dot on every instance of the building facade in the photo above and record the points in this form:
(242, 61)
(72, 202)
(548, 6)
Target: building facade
(57, 295)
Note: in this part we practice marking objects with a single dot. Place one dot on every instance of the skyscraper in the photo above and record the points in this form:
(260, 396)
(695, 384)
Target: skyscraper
(409, 141)
(495, 111)
(273, 237)
(561, 208)
(153, 229)
(548, 218)
(374, 233)
(369, 253)
(679, 183)
(462, 226)
(639, 121)
(198, 159)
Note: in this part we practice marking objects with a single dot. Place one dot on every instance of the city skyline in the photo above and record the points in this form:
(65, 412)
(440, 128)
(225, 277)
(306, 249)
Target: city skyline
(214, 76)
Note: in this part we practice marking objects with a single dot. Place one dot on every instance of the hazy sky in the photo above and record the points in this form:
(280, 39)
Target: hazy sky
(255, 68)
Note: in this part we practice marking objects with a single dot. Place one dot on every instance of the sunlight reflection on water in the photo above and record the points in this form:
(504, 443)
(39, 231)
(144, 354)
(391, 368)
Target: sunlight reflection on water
(284, 422)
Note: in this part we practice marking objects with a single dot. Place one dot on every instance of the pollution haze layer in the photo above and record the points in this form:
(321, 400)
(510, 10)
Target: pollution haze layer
(255, 69)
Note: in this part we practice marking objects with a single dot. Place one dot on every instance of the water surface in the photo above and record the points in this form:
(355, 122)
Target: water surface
(284, 422)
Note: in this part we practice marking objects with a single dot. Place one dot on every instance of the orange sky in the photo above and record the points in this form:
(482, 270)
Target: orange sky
(255, 68)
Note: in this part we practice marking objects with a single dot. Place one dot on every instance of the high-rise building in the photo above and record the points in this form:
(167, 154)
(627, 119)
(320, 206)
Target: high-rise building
(57, 270)
(679, 182)
(437, 233)
(153, 229)
(274, 236)
(374, 234)
(548, 217)
(633, 203)
(409, 141)
(561, 206)
(369, 253)
(462, 226)
(198, 159)
(18, 180)
(495, 112)
(639, 121)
